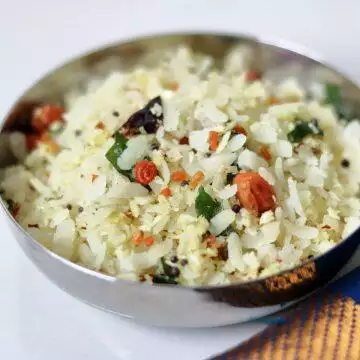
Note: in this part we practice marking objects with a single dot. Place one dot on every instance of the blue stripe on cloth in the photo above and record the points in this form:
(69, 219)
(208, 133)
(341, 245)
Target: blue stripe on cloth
(348, 285)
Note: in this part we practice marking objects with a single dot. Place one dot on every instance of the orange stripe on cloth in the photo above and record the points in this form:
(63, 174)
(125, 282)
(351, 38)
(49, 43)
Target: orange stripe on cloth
(326, 328)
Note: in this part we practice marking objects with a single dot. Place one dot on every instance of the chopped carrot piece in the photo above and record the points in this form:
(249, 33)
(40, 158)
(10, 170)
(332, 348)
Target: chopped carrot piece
(240, 130)
(53, 146)
(138, 237)
(44, 137)
(254, 193)
(252, 75)
(179, 176)
(184, 140)
(272, 100)
(149, 240)
(213, 140)
(196, 179)
(50, 143)
(166, 192)
(264, 152)
(93, 177)
(100, 125)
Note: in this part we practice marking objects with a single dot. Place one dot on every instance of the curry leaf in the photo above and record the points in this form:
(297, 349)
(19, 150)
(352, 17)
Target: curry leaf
(332, 94)
(167, 277)
(166, 267)
(205, 205)
(333, 97)
(115, 151)
(304, 128)
(163, 279)
(228, 231)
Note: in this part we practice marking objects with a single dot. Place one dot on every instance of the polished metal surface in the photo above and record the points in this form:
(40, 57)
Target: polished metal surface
(168, 305)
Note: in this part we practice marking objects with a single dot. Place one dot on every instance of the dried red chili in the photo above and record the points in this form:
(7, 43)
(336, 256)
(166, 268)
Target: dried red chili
(145, 171)
(254, 193)
(252, 75)
(43, 116)
(239, 129)
(150, 118)
(184, 140)
(31, 141)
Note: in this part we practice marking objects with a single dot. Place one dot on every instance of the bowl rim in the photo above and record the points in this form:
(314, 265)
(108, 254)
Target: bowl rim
(279, 43)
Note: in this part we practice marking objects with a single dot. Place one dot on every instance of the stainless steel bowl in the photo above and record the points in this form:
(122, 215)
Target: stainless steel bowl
(168, 305)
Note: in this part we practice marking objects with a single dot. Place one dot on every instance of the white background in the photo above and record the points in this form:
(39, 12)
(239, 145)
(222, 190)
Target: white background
(39, 321)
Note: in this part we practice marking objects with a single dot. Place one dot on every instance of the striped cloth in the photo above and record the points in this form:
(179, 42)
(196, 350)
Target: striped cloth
(326, 326)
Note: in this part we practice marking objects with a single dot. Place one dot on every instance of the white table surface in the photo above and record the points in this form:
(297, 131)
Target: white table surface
(37, 320)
